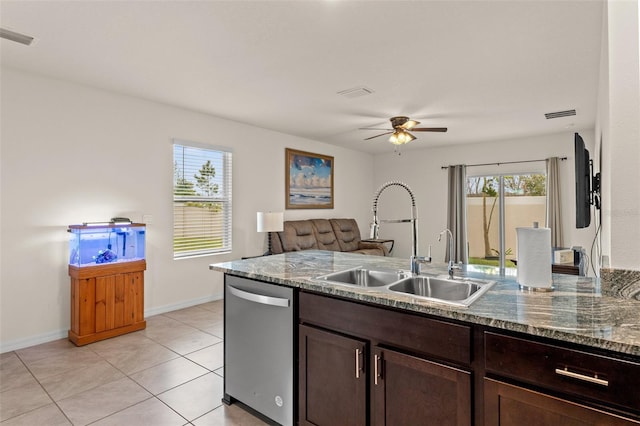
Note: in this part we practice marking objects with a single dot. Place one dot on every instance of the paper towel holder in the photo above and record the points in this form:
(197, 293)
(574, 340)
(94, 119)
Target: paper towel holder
(533, 289)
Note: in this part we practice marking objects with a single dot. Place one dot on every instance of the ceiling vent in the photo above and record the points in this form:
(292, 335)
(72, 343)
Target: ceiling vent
(355, 92)
(17, 37)
(567, 113)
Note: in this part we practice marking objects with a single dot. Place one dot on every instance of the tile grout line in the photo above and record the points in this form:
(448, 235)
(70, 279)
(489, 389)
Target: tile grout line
(214, 312)
(138, 403)
(53, 401)
(153, 395)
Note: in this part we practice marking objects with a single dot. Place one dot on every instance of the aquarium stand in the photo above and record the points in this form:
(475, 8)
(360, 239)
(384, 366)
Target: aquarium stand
(107, 300)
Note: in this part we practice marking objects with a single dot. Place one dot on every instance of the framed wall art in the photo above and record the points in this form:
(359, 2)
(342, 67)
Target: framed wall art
(308, 180)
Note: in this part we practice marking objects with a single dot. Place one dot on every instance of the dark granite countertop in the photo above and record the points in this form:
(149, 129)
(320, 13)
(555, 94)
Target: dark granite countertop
(576, 311)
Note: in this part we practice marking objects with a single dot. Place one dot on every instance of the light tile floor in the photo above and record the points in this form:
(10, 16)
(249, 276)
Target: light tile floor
(168, 374)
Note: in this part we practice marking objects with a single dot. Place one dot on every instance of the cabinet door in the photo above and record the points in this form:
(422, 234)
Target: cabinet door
(119, 300)
(332, 379)
(412, 391)
(508, 405)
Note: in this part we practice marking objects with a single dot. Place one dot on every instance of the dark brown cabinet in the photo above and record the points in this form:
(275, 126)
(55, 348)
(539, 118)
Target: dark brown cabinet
(408, 390)
(360, 364)
(572, 387)
(509, 405)
(364, 364)
(333, 383)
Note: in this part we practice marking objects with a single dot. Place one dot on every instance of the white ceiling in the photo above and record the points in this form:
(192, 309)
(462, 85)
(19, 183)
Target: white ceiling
(485, 69)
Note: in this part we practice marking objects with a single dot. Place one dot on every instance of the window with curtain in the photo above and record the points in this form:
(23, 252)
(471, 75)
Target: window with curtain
(201, 200)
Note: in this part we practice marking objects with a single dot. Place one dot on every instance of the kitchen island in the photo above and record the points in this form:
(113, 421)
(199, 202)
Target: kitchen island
(495, 351)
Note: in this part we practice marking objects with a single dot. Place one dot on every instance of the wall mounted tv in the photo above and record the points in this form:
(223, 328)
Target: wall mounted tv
(587, 187)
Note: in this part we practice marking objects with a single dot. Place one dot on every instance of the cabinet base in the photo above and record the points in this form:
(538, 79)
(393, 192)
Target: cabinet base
(106, 334)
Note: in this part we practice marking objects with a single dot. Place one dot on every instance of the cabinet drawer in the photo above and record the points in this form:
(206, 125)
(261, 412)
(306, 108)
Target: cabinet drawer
(508, 405)
(596, 377)
(412, 332)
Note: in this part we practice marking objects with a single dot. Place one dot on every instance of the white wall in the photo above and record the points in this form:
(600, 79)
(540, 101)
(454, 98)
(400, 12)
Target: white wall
(422, 171)
(618, 135)
(70, 154)
(602, 160)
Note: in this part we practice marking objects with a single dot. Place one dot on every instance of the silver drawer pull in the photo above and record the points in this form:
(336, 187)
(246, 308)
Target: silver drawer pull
(376, 372)
(590, 379)
(357, 363)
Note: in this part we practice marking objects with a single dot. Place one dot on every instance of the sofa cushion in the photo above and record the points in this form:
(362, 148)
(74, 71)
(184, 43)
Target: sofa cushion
(275, 242)
(325, 237)
(298, 235)
(347, 233)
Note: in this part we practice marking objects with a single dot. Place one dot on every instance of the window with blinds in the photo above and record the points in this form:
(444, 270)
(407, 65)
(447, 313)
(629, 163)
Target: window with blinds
(201, 200)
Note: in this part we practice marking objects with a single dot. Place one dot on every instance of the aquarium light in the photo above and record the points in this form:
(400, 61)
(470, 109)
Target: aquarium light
(96, 223)
(120, 221)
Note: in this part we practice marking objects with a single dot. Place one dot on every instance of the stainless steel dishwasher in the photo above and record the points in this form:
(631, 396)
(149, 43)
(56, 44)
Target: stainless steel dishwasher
(258, 347)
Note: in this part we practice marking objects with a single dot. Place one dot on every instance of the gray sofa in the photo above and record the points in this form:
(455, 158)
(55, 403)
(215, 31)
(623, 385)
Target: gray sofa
(323, 234)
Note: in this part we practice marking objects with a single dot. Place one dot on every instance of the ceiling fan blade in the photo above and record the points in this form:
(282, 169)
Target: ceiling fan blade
(376, 136)
(373, 128)
(429, 129)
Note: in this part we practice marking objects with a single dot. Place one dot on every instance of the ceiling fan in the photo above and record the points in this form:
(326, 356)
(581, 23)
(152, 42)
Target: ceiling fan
(399, 133)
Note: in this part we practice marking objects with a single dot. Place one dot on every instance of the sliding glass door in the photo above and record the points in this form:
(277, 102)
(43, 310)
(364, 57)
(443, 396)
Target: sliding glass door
(496, 206)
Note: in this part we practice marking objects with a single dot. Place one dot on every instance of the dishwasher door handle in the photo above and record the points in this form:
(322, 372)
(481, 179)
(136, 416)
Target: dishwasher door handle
(259, 298)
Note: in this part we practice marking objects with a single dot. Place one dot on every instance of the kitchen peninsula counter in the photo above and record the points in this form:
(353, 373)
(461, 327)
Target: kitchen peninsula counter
(575, 312)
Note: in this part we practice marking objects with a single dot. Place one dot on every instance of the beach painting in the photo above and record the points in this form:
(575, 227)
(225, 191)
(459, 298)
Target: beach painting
(309, 180)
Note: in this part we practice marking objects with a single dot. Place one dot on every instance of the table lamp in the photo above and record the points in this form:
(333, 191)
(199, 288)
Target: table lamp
(270, 222)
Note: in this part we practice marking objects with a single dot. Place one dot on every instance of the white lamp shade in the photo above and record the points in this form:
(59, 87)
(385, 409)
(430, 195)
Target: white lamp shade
(270, 221)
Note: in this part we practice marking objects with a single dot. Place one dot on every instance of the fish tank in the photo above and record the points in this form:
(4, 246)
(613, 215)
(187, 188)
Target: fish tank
(102, 243)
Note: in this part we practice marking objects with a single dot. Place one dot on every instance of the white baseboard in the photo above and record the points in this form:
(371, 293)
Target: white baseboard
(17, 344)
(187, 304)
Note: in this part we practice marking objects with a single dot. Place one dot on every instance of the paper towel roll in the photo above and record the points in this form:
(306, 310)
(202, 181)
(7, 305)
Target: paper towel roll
(534, 257)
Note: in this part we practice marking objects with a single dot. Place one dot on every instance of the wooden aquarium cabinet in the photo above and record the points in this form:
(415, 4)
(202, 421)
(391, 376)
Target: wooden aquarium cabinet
(107, 300)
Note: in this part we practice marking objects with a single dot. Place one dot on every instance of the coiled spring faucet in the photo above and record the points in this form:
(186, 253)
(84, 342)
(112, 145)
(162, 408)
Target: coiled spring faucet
(375, 225)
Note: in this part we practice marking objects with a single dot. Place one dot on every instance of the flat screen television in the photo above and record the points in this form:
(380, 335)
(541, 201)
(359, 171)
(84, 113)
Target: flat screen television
(583, 183)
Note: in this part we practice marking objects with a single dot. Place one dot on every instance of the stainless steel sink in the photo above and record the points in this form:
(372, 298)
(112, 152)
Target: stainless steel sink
(453, 291)
(456, 291)
(363, 277)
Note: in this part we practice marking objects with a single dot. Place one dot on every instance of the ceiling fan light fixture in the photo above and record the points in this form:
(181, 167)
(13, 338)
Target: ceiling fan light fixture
(400, 126)
(410, 124)
(401, 137)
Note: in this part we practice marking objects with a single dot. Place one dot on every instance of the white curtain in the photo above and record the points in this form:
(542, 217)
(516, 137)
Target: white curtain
(554, 216)
(457, 212)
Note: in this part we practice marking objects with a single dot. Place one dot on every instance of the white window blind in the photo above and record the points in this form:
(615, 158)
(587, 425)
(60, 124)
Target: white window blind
(201, 200)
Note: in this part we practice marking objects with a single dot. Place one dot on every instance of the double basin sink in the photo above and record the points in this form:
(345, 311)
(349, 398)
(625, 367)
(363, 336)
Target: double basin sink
(453, 291)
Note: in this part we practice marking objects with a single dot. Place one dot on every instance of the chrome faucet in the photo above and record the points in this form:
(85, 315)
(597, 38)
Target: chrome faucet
(375, 226)
(416, 260)
(452, 264)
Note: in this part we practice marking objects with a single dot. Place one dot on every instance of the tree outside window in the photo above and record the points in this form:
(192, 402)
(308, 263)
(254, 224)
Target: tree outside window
(525, 202)
(202, 201)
